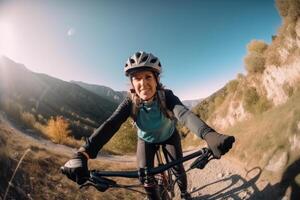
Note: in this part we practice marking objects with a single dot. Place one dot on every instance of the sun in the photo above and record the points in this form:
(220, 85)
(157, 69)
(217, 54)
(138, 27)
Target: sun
(7, 38)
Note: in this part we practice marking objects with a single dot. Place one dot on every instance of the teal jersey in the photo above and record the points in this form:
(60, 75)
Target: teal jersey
(153, 126)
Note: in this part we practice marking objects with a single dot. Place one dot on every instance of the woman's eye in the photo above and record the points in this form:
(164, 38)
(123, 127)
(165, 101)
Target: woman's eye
(149, 77)
(135, 78)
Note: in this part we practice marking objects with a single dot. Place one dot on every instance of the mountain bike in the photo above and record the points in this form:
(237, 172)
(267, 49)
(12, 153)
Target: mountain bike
(162, 173)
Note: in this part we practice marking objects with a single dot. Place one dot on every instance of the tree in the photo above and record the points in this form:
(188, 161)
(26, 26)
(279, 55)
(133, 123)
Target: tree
(58, 129)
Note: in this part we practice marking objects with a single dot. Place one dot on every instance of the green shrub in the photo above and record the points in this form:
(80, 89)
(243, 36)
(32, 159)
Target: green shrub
(232, 86)
(255, 63)
(219, 100)
(28, 119)
(211, 108)
(255, 60)
(273, 58)
(254, 103)
(239, 94)
(257, 46)
(208, 106)
(289, 91)
(294, 9)
(202, 110)
(283, 7)
(12, 109)
(288, 8)
(250, 99)
(262, 105)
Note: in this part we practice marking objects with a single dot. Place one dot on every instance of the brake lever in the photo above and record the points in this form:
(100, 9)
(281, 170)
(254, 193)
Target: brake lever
(201, 161)
(100, 183)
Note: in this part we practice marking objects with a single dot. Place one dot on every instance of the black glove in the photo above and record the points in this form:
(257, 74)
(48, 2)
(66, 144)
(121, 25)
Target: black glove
(219, 143)
(76, 169)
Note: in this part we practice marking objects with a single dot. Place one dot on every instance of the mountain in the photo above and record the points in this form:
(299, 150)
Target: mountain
(261, 107)
(40, 97)
(103, 91)
(191, 103)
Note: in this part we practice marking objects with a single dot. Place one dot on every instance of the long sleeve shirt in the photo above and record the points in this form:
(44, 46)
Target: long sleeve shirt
(106, 131)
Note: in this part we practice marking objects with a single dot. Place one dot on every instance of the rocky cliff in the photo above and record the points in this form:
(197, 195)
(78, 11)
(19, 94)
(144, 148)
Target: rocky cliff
(269, 83)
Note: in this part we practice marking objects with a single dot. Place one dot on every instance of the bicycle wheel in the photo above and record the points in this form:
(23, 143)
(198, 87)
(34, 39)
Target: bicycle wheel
(163, 186)
(164, 180)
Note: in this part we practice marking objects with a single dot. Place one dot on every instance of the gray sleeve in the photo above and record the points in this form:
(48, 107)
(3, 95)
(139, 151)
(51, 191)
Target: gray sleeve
(186, 117)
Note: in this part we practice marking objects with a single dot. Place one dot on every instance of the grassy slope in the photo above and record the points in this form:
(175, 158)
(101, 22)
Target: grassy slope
(124, 141)
(266, 134)
(38, 175)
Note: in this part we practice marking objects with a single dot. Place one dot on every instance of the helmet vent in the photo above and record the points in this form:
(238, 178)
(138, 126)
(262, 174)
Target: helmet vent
(144, 58)
(153, 60)
(138, 54)
(132, 61)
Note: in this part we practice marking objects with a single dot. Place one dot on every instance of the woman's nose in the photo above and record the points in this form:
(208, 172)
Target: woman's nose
(143, 81)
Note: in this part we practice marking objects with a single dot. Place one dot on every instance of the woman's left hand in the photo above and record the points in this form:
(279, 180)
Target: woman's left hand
(219, 143)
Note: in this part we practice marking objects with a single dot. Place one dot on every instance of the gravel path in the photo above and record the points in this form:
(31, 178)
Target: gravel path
(221, 179)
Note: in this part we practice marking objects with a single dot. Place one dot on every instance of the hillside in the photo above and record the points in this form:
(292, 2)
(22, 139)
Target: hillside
(38, 97)
(261, 108)
(38, 175)
(103, 91)
(270, 140)
(273, 75)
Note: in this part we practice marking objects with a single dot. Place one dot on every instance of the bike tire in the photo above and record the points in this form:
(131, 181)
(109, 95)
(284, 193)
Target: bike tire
(166, 192)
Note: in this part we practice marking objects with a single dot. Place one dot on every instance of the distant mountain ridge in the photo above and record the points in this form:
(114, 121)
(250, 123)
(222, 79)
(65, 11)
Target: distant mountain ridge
(44, 97)
(103, 91)
(191, 103)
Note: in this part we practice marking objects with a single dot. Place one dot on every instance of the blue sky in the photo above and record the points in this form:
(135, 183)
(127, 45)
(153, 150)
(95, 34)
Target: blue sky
(201, 43)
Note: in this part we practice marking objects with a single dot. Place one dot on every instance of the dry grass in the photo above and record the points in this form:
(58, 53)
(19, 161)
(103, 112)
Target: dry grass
(38, 176)
(260, 137)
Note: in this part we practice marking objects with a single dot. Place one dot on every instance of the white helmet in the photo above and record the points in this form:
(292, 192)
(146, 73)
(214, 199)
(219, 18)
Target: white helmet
(142, 61)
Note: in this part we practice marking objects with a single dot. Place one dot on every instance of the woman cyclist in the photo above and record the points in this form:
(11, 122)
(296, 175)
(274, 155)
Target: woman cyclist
(155, 111)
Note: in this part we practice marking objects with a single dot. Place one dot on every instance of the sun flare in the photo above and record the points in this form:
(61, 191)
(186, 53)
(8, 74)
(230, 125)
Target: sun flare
(7, 38)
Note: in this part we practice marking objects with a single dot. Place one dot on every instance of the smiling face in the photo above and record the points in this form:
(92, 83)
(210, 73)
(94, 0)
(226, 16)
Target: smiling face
(144, 84)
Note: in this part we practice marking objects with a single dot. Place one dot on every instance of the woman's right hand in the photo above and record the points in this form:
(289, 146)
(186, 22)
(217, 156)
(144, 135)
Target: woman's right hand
(76, 169)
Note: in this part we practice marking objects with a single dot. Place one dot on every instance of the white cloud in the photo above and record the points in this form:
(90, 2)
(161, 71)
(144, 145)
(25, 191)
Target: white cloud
(71, 32)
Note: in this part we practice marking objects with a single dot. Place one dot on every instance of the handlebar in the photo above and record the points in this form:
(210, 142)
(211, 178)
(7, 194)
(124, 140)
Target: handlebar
(98, 180)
